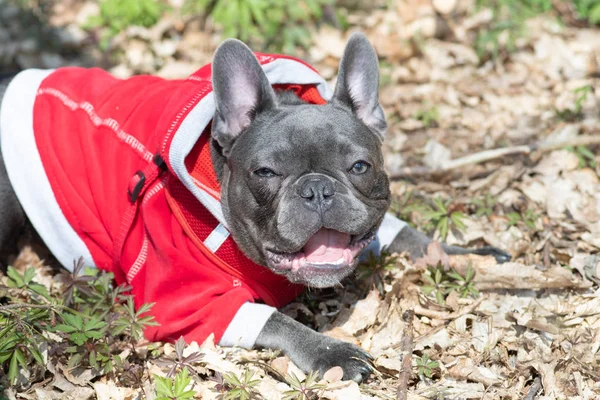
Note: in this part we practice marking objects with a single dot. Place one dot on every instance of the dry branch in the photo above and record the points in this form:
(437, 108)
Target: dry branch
(488, 155)
(406, 349)
(513, 275)
(419, 310)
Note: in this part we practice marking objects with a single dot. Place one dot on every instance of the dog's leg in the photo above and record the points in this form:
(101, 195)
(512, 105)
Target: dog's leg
(415, 243)
(12, 216)
(263, 326)
(313, 351)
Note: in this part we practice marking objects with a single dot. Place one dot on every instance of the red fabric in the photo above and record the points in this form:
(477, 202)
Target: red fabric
(94, 132)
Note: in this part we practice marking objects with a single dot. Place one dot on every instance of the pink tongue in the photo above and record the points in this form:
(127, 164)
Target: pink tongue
(326, 245)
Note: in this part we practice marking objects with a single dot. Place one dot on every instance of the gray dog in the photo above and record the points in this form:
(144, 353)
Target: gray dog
(303, 191)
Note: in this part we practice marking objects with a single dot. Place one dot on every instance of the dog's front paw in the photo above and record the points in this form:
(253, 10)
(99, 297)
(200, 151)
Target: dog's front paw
(355, 362)
(500, 255)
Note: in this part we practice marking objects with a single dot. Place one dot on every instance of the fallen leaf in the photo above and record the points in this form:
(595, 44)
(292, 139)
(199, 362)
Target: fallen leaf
(435, 255)
(334, 374)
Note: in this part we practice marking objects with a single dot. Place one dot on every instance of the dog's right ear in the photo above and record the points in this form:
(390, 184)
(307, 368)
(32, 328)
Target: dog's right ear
(241, 91)
(358, 83)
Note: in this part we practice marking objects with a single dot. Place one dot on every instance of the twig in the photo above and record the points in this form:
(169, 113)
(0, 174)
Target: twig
(488, 155)
(419, 310)
(406, 349)
(9, 307)
(534, 389)
(265, 366)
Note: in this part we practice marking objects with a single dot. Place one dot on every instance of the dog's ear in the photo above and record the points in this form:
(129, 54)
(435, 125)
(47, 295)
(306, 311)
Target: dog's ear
(241, 91)
(358, 83)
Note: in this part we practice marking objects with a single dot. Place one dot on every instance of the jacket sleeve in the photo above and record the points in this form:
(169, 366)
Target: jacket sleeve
(192, 297)
(389, 229)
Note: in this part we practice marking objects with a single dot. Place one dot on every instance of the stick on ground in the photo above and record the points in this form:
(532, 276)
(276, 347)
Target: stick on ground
(406, 349)
(488, 155)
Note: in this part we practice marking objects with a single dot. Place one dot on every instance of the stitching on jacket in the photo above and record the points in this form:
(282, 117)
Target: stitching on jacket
(155, 189)
(99, 121)
(198, 96)
(139, 261)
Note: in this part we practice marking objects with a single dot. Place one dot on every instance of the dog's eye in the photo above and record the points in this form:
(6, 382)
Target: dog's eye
(360, 167)
(265, 173)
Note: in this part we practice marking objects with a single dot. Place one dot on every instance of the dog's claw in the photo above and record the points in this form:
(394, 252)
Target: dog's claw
(501, 256)
(367, 355)
(355, 362)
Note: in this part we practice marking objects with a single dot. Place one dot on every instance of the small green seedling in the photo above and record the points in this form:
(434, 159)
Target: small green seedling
(174, 388)
(243, 388)
(26, 281)
(180, 362)
(375, 267)
(529, 219)
(428, 115)
(463, 285)
(485, 205)
(440, 283)
(585, 156)
(434, 283)
(425, 366)
(442, 218)
(308, 389)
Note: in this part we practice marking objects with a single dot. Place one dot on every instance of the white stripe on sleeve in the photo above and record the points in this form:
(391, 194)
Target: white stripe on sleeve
(246, 325)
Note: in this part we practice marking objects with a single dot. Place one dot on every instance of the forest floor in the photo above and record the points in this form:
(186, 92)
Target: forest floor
(499, 150)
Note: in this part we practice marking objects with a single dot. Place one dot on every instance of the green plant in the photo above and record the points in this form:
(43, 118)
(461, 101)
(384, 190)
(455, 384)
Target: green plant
(485, 205)
(529, 219)
(131, 321)
(584, 155)
(84, 331)
(240, 388)
(117, 15)
(282, 25)
(25, 281)
(439, 283)
(22, 324)
(581, 95)
(425, 366)
(21, 340)
(174, 388)
(443, 218)
(404, 207)
(506, 26)
(308, 389)
(463, 285)
(375, 267)
(81, 325)
(180, 361)
(434, 283)
(429, 115)
(588, 10)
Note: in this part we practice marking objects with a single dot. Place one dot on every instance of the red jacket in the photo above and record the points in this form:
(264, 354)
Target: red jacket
(118, 171)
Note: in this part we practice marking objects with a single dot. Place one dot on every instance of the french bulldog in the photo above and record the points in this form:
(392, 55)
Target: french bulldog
(303, 191)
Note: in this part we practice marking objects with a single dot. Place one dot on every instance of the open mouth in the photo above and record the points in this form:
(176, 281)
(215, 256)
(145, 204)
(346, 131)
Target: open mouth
(327, 250)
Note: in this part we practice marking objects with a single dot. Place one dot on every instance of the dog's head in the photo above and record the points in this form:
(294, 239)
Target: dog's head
(303, 186)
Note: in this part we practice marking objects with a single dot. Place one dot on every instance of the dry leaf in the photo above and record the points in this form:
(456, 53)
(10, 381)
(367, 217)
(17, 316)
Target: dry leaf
(435, 255)
(334, 374)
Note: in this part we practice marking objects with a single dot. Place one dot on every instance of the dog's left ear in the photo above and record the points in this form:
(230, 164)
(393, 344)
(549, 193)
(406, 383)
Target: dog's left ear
(358, 83)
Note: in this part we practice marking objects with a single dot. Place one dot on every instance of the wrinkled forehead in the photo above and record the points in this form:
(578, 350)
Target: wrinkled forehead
(307, 130)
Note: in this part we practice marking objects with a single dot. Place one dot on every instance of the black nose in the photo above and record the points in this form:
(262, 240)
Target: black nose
(317, 191)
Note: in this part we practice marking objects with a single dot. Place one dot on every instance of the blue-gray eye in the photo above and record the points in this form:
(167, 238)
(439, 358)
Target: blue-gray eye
(360, 167)
(265, 173)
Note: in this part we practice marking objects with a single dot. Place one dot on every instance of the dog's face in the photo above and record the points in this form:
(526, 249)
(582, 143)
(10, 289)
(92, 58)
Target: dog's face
(303, 186)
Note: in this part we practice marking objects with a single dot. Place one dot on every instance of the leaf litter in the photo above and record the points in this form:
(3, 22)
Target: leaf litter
(511, 143)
